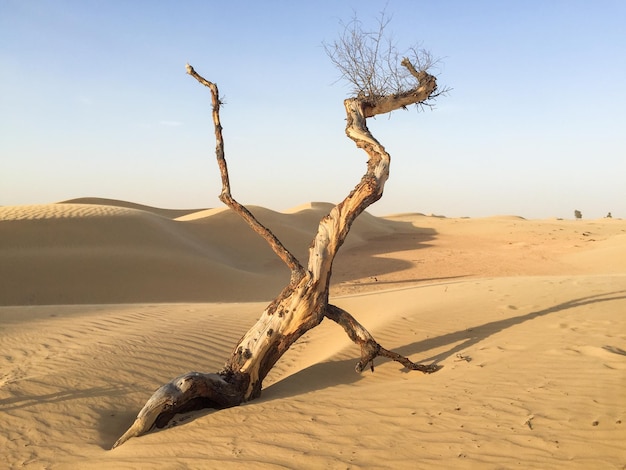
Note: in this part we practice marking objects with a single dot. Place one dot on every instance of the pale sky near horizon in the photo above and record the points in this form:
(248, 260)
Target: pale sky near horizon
(95, 102)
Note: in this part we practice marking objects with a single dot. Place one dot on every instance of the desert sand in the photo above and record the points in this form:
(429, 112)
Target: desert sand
(103, 301)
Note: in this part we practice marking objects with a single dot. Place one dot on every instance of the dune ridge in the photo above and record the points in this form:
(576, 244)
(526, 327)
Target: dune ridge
(99, 201)
(69, 253)
(526, 317)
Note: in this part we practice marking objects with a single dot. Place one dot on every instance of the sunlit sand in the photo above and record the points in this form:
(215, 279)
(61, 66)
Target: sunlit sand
(104, 301)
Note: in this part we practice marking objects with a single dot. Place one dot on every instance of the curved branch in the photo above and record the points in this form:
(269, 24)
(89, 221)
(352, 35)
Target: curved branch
(334, 228)
(426, 88)
(370, 349)
(289, 259)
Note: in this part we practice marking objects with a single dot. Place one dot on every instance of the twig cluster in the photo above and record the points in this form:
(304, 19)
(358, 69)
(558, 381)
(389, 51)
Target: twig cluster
(372, 64)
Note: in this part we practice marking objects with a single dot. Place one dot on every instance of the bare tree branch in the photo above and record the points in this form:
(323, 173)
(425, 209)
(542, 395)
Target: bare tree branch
(425, 89)
(226, 197)
(370, 349)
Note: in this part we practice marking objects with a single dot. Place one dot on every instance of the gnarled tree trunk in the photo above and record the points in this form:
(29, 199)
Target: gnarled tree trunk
(303, 303)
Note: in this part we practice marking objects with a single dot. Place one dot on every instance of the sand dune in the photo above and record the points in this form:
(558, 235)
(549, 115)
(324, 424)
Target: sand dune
(96, 253)
(104, 301)
(99, 201)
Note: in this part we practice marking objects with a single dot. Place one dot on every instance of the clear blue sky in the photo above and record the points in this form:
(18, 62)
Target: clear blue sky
(95, 102)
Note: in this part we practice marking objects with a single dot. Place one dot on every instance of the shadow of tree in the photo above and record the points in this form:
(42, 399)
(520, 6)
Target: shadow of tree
(413, 280)
(24, 401)
(614, 350)
(473, 335)
(332, 373)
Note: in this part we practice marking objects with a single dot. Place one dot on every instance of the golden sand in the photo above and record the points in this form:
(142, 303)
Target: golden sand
(104, 302)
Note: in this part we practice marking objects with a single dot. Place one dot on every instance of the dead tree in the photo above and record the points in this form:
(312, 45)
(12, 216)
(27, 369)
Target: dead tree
(304, 302)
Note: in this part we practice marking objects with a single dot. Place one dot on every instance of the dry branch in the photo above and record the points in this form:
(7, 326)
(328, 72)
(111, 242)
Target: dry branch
(225, 196)
(370, 349)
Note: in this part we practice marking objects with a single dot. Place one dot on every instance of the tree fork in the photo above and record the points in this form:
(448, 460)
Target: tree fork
(303, 303)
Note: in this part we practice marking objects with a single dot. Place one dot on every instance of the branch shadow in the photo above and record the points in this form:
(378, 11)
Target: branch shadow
(413, 280)
(25, 401)
(332, 373)
(614, 350)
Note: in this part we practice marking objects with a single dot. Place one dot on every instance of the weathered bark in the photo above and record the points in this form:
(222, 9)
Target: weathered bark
(303, 303)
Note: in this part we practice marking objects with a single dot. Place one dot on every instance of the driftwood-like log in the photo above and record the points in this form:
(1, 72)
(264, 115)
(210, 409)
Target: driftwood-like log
(192, 391)
(303, 303)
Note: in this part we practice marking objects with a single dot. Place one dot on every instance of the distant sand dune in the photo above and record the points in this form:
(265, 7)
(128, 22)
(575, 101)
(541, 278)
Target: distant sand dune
(96, 253)
(61, 211)
(526, 316)
(98, 201)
